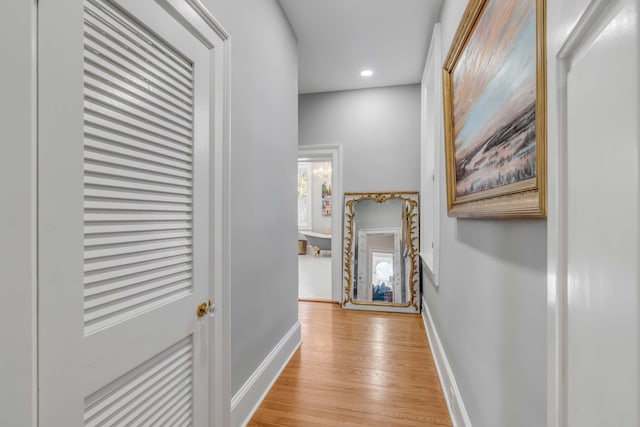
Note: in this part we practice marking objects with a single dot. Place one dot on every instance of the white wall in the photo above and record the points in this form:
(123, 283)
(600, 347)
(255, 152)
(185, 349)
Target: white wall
(490, 308)
(264, 151)
(17, 214)
(379, 130)
(371, 214)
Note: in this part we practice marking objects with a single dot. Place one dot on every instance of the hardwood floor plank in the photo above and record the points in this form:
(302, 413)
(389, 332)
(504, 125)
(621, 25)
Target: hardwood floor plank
(356, 368)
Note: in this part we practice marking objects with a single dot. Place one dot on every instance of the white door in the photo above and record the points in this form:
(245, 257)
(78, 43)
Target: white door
(125, 128)
(600, 69)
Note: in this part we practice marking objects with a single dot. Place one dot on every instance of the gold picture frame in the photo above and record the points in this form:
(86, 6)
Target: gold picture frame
(495, 156)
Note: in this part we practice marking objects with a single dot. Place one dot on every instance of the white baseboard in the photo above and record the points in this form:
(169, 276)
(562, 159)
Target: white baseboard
(458, 412)
(247, 400)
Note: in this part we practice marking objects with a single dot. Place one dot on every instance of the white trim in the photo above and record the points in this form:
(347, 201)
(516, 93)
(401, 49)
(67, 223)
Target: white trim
(220, 356)
(247, 400)
(333, 151)
(203, 25)
(455, 404)
(223, 369)
(593, 16)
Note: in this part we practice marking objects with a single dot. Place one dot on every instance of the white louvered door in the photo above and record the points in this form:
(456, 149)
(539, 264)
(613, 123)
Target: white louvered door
(125, 123)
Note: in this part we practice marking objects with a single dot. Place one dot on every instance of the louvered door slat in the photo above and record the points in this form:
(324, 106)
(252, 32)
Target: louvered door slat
(112, 69)
(124, 129)
(137, 258)
(129, 248)
(117, 128)
(96, 136)
(101, 405)
(130, 270)
(91, 216)
(110, 307)
(109, 91)
(172, 399)
(131, 390)
(129, 32)
(181, 417)
(97, 181)
(94, 240)
(104, 47)
(138, 168)
(101, 56)
(107, 156)
(126, 194)
(108, 286)
(123, 227)
(133, 304)
(99, 27)
(112, 113)
(101, 141)
(115, 169)
(102, 74)
(177, 405)
(174, 385)
(117, 207)
(109, 293)
(134, 108)
(111, 204)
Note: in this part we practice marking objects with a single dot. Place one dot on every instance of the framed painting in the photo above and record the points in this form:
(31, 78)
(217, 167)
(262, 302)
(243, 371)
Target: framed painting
(326, 206)
(494, 84)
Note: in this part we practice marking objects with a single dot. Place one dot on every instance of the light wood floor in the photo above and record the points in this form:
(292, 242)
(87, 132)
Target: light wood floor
(356, 369)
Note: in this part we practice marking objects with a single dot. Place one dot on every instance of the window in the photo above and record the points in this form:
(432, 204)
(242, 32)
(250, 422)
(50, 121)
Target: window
(304, 196)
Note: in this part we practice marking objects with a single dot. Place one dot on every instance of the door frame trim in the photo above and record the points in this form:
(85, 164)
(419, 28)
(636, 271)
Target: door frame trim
(201, 23)
(589, 19)
(333, 152)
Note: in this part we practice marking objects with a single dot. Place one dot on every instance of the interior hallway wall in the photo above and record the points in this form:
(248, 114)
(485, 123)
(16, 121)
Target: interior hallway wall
(379, 130)
(490, 308)
(263, 173)
(18, 293)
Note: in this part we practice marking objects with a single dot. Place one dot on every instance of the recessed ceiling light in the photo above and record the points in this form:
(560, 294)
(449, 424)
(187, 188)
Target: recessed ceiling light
(366, 73)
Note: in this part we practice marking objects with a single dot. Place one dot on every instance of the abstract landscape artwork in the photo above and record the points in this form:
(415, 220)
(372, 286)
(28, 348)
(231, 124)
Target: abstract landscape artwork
(494, 88)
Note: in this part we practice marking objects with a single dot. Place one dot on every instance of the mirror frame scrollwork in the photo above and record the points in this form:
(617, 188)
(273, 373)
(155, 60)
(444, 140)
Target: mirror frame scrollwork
(411, 222)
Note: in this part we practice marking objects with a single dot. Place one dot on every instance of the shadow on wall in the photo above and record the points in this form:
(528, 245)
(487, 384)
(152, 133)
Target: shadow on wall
(504, 240)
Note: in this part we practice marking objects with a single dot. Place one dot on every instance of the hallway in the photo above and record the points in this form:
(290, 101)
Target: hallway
(356, 369)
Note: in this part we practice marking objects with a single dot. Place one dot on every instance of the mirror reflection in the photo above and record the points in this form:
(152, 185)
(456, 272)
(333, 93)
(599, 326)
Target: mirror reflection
(381, 267)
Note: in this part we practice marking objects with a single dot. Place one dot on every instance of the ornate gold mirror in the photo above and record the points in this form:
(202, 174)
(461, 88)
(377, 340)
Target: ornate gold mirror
(380, 252)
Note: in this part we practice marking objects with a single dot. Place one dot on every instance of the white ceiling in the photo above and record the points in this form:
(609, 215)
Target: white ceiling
(339, 38)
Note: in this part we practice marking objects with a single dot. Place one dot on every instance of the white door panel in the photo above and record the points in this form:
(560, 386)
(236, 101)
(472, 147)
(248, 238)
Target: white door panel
(126, 124)
(602, 219)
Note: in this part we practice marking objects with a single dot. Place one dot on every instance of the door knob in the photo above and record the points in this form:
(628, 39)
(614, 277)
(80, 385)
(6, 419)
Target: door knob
(203, 309)
(206, 308)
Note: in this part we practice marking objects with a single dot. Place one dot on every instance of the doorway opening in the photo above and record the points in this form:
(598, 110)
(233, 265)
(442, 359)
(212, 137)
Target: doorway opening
(319, 223)
(314, 229)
